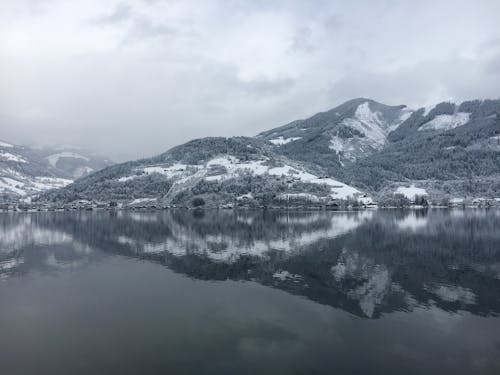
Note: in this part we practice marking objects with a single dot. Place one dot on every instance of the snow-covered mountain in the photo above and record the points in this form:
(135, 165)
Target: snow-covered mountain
(451, 149)
(350, 131)
(380, 148)
(218, 170)
(357, 150)
(73, 162)
(26, 170)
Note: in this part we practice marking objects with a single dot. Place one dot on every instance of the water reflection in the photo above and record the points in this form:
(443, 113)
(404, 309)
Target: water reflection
(367, 263)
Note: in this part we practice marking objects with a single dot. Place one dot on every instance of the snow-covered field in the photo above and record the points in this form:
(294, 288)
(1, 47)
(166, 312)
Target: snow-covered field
(10, 185)
(25, 186)
(411, 191)
(7, 156)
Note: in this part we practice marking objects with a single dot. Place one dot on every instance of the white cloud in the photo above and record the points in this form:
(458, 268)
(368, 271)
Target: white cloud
(133, 78)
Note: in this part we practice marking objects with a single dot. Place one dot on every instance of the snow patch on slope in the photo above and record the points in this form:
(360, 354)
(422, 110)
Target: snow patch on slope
(172, 171)
(25, 186)
(9, 184)
(337, 144)
(234, 167)
(126, 178)
(405, 115)
(283, 141)
(7, 156)
(428, 109)
(374, 129)
(368, 123)
(446, 122)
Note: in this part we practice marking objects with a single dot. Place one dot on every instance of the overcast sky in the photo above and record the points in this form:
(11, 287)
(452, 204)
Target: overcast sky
(133, 78)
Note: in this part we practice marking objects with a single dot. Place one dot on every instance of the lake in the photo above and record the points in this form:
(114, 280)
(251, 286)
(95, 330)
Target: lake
(250, 292)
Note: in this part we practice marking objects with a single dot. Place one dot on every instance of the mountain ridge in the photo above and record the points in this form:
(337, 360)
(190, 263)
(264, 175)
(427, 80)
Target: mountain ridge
(370, 149)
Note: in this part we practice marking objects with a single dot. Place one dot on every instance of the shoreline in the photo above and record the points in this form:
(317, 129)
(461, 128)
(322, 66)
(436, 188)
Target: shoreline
(284, 209)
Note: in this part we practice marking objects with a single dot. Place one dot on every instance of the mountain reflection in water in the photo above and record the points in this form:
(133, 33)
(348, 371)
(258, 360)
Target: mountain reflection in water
(367, 263)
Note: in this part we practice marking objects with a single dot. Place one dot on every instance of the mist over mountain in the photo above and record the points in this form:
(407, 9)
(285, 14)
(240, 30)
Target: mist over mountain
(28, 170)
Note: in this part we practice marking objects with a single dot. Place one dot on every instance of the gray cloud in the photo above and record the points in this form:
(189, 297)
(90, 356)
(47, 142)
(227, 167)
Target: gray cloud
(144, 28)
(456, 80)
(139, 26)
(145, 75)
(265, 87)
(302, 41)
(120, 13)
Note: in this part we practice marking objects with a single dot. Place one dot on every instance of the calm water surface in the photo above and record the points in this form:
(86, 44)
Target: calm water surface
(183, 292)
